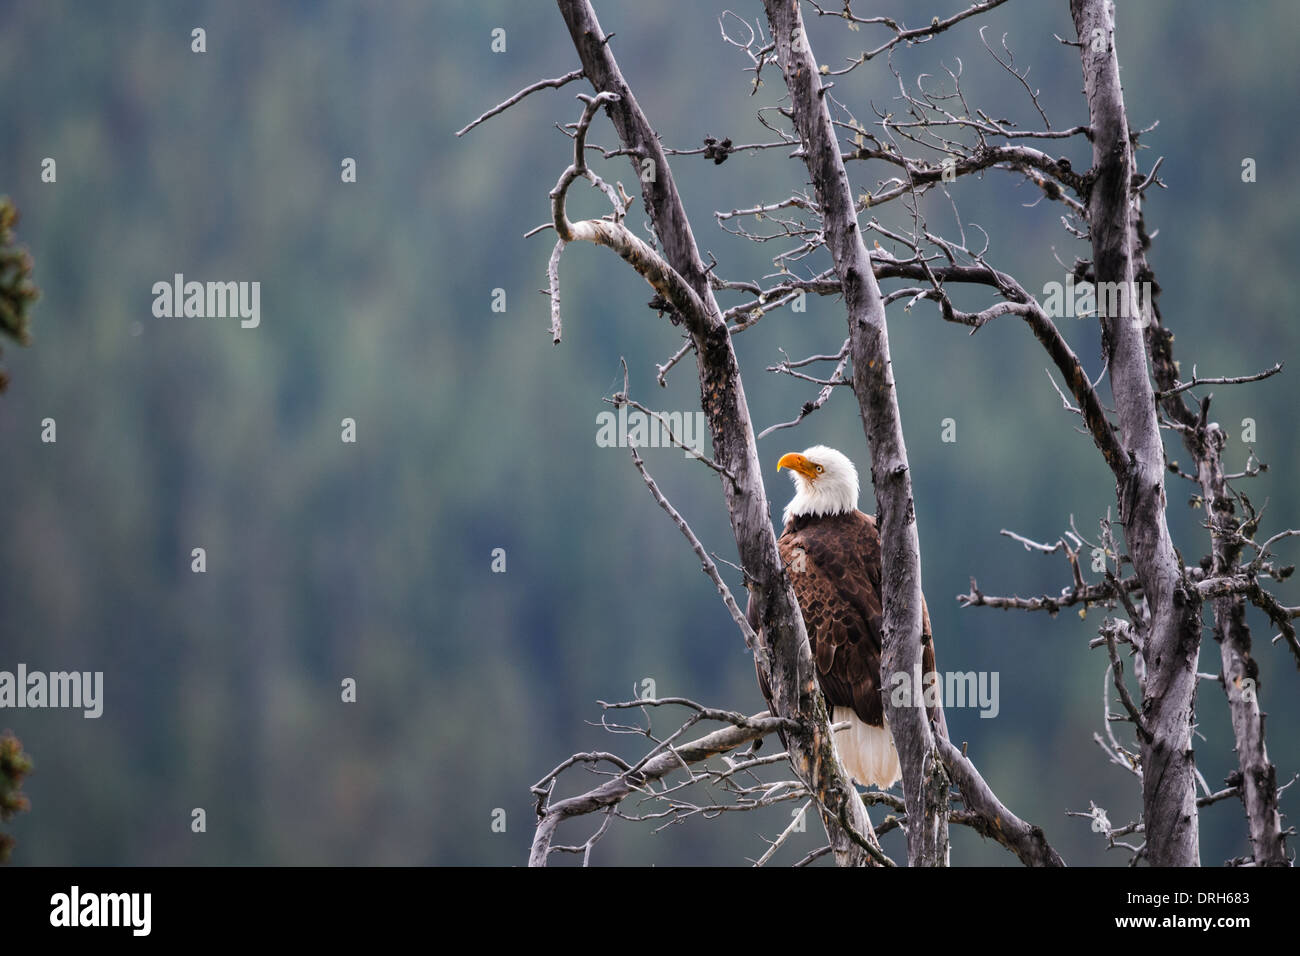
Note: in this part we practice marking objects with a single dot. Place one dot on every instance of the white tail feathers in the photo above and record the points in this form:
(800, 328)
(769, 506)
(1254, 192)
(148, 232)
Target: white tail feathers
(867, 752)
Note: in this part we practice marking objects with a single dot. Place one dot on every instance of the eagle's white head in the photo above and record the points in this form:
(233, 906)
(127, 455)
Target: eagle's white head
(825, 482)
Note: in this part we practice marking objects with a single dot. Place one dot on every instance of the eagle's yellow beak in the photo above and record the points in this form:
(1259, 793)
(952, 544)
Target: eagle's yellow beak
(800, 464)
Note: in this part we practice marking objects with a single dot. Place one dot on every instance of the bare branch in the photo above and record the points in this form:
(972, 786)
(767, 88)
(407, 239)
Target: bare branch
(1117, 673)
(991, 818)
(794, 825)
(614, 791)
(709, 568)
(828, 385)
(506, 104)
(1238, 380)
(901, 33)
(553, 281)
(1086, 595)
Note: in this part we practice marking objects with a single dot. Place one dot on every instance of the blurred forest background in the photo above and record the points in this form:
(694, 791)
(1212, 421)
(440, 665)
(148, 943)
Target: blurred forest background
(372, 560)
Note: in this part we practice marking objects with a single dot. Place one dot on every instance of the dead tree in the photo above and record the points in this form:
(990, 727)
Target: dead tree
(932, 139)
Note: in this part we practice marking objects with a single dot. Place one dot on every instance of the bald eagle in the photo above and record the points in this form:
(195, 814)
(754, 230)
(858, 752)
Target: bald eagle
(831, 552)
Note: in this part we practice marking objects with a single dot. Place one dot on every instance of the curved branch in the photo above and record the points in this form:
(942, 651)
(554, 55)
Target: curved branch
(533, 88)
(1026, 841)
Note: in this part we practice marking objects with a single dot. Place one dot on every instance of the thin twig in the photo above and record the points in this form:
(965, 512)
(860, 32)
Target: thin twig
(709, 568)
(506, 104)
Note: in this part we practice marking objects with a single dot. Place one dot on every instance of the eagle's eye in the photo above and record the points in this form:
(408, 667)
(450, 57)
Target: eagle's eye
(820, 469)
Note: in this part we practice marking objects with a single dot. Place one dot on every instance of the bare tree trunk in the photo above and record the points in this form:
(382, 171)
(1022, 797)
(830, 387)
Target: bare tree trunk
(925, 782)
(1258, 776)
(1240, 674)
(788, 663)
(1172, 637)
